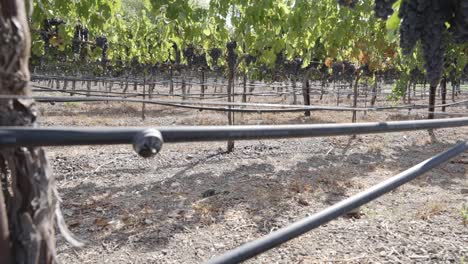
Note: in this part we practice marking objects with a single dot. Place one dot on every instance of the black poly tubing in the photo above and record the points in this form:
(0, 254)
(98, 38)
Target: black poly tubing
(28, 136)
(191, 104)
(296, 229)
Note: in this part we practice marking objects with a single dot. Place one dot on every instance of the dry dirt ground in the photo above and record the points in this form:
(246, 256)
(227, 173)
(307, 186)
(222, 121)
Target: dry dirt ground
(193, 201)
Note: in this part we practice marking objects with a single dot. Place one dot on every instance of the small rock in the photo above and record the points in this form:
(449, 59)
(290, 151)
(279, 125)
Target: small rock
(175, 184)
(303, 202)
(219, 245)
(208, 193)
(148, 221)
(99, 209)
(67, 212)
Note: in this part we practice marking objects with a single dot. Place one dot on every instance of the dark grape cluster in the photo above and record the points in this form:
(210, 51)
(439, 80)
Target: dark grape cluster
(426, 21)
(383, 8)
(177, 53)
(50, 28)
(53, 22)
(102, 43)
(80, 35)
(84, 34)
(459, 26)
(76, 41)
(231, 54)
(433, 44)
(189, 54)
(293, 66)
(250, 59)
(280, 59)
(348, 3)
(200, 60)
(215, 53)
(343, 71)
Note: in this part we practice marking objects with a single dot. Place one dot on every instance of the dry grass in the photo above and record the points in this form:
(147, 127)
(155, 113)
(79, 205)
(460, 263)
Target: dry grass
(431, 209)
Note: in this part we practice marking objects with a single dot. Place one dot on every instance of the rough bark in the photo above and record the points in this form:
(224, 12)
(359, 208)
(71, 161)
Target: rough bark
(306, 94)
(432, 96)
(293, 81)
(443, 88)
(29, 194)
(230, 88)
(28, 188)
(244, 85)
(374, 93)
(203, 86)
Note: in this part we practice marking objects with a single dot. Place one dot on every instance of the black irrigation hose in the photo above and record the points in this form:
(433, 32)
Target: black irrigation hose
(187, 106)
(39, 88)
(180, 103)
(27, 136)
(295, 108)
(303, 226)
(269, 105)
(292, 107)
(239, 110)
(191, 95)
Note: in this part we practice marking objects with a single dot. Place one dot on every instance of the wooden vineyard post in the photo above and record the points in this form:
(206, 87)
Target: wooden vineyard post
(424, 90)
(88, 84)
(244, 85)
(232, 61)
(73, 87)
(171, 81)
(110, 85)
(355, 92)
(338, 94)
(143, 106)
(126, 84)
(183, 88)
(351, 88)
(454, 85)
(432, 96)
(306, 93)
(230, 144)
(202, 82)
(443, 88)
(409, 92)
(374, 93)
(293, 82)
(214, 83)
(151, 85)
(322, 87)
(28, 193)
